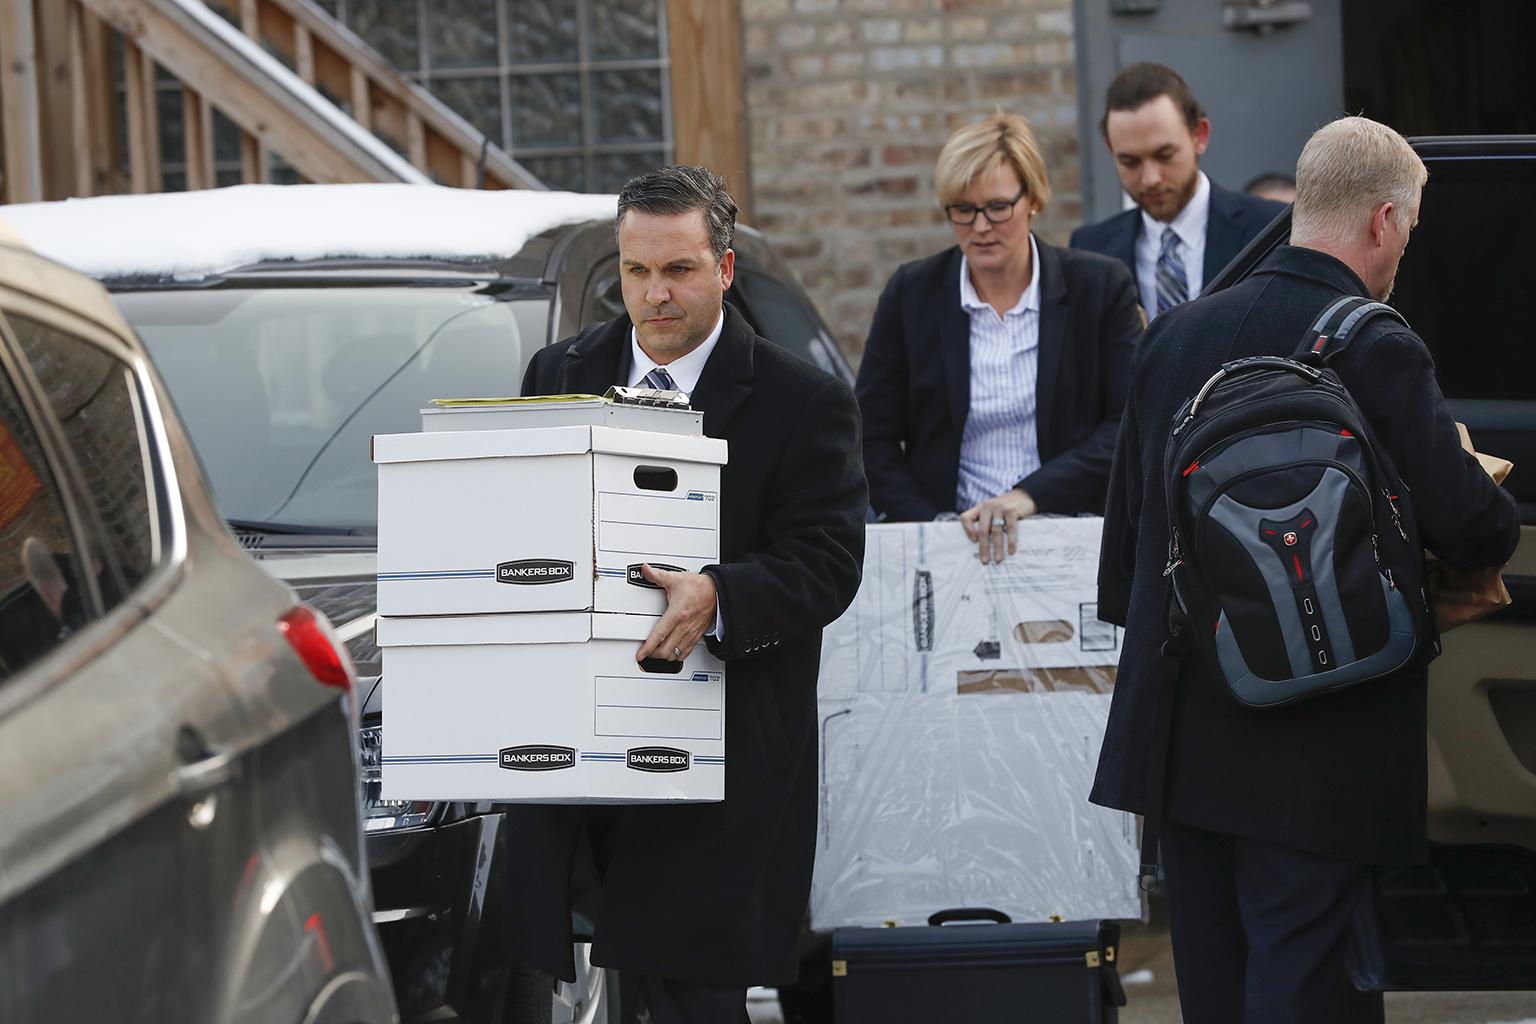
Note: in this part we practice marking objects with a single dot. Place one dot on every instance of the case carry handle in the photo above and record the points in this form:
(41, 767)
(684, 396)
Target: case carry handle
(973, 914)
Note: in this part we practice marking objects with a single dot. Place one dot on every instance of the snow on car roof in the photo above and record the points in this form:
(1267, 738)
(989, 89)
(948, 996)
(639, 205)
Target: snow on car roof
(191, 235)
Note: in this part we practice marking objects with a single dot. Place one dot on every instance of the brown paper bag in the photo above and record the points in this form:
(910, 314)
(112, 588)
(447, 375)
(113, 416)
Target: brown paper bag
(1461, 595)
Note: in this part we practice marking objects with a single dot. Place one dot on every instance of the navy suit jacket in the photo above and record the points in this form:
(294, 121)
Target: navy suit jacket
(914, 383)
(1236, 217)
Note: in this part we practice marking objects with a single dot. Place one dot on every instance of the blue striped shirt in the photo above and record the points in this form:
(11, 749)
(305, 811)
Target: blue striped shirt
(999, 446)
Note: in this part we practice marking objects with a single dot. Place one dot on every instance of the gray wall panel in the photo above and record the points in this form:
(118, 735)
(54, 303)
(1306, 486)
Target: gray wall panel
(1265, 93)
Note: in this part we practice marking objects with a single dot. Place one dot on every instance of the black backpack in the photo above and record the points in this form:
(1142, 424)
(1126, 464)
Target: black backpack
(1295, 560)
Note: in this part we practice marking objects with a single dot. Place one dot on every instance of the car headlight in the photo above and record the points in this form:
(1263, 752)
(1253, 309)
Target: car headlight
(381, 815)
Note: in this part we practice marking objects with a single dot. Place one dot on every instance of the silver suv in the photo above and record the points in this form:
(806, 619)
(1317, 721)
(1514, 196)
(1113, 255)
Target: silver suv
(285, 359)
(179, 825)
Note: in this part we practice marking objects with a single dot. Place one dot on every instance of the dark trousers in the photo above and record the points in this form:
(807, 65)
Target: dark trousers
(663, 1001)
(650, 998)
(1259, 931)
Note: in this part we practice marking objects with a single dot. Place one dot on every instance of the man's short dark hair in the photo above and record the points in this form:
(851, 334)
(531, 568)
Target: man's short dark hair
(1140, 84)
(669, 191)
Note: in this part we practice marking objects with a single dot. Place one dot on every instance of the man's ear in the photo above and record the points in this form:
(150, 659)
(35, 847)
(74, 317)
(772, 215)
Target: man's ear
(1379, 224)
(727, 269)
(1202, 134)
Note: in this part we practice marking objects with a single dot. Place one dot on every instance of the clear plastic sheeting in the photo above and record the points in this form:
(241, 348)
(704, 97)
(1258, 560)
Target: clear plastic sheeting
(962, 707)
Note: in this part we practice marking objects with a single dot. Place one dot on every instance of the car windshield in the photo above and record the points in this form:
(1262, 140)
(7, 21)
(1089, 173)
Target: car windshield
(281, 389)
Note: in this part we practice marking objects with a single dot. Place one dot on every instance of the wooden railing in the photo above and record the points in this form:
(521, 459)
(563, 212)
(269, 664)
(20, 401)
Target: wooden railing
(328, 56)
(297, 84)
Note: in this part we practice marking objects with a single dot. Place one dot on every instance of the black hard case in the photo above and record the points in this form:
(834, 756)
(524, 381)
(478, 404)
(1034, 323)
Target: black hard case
(1051, 973)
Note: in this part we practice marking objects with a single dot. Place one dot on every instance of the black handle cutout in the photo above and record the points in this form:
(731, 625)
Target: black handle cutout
(656, 478)
(661, 666)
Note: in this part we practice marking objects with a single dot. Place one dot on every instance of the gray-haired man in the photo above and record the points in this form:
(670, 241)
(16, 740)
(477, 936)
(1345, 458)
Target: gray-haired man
(1272, 815)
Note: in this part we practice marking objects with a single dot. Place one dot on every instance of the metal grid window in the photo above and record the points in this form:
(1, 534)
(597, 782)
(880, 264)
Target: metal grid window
(576, 90)
(227, 164)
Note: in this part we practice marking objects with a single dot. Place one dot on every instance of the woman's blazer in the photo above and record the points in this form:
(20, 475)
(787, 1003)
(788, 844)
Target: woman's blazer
(915, 380)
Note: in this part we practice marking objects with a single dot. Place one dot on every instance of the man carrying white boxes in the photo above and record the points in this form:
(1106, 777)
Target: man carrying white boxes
(696, 901)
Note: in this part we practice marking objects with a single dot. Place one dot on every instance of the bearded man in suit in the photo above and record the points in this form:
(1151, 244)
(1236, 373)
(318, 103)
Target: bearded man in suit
(1184, 227)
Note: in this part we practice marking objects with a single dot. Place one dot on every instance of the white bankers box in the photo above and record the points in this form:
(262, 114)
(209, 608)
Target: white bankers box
(545, 517)
(511, 604)
(547, 708)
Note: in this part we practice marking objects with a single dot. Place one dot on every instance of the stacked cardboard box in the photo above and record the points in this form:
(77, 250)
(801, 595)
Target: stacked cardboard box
(512, 605)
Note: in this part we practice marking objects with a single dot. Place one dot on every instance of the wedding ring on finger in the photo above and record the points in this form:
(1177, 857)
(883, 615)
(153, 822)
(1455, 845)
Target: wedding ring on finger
(677, 654)
(998, 522)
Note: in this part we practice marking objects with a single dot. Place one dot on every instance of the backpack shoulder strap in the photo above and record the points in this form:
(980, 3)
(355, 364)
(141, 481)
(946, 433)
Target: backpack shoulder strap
(1337, 326)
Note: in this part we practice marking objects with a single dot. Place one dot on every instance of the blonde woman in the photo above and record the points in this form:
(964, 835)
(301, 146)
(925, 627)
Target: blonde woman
(995, 371)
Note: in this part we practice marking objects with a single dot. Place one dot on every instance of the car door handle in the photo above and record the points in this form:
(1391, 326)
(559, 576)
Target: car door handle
(207, 773)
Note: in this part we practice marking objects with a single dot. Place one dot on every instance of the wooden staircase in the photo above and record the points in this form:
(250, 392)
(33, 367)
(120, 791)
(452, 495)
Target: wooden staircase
(298, 85)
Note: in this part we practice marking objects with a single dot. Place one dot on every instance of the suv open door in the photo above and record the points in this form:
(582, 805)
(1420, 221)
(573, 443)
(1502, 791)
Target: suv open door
(1467, 920)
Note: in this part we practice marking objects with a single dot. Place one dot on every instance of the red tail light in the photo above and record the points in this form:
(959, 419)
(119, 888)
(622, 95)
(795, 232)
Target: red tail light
(311, 638)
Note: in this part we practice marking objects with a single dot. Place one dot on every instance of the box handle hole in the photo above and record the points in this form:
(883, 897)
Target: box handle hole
(656, 478)
(661, 665)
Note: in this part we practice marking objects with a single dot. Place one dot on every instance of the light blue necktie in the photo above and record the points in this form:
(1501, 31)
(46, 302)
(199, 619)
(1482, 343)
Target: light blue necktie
(659, 379)
(1172, 285)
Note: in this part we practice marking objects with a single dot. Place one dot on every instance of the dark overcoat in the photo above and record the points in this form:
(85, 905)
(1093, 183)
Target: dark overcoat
(915, 383)
(715, 894)
(1344, 775)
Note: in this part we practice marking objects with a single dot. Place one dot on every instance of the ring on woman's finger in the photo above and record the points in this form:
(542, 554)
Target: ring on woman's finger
(999, 522)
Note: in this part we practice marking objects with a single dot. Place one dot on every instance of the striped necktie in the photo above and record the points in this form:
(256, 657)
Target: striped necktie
(659, 379)
(1172, 285)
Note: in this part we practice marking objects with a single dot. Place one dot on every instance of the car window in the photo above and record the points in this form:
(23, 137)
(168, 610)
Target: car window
(93, 396)
(1467, 309)
(604, 299)
(282, 389)
(784, 318)
(43, 592)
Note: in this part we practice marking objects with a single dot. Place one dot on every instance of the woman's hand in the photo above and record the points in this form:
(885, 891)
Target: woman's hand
(995, 521)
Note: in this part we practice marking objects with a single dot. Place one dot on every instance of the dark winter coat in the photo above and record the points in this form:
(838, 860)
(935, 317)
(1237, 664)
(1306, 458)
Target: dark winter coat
(1345, 775)
(715, 894)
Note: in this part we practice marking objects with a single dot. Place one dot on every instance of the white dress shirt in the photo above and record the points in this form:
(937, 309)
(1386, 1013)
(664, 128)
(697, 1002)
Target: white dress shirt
(1000, 446)
(1190, 226)
(684, 371)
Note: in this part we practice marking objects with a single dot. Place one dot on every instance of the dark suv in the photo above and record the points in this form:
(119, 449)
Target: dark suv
(283, 370)
(1467, 920)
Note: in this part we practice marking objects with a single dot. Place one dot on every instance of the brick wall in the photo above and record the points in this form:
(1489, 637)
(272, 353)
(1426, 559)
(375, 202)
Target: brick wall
(848, 103)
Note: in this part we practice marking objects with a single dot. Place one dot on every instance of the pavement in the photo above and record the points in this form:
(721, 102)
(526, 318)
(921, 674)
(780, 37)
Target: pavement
(1146, 970)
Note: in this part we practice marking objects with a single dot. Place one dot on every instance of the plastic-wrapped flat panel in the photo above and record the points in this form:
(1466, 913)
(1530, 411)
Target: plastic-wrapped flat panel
(962, 709)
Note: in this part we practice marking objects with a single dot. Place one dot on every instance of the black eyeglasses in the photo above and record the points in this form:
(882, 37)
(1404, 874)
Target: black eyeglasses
(997, 211)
